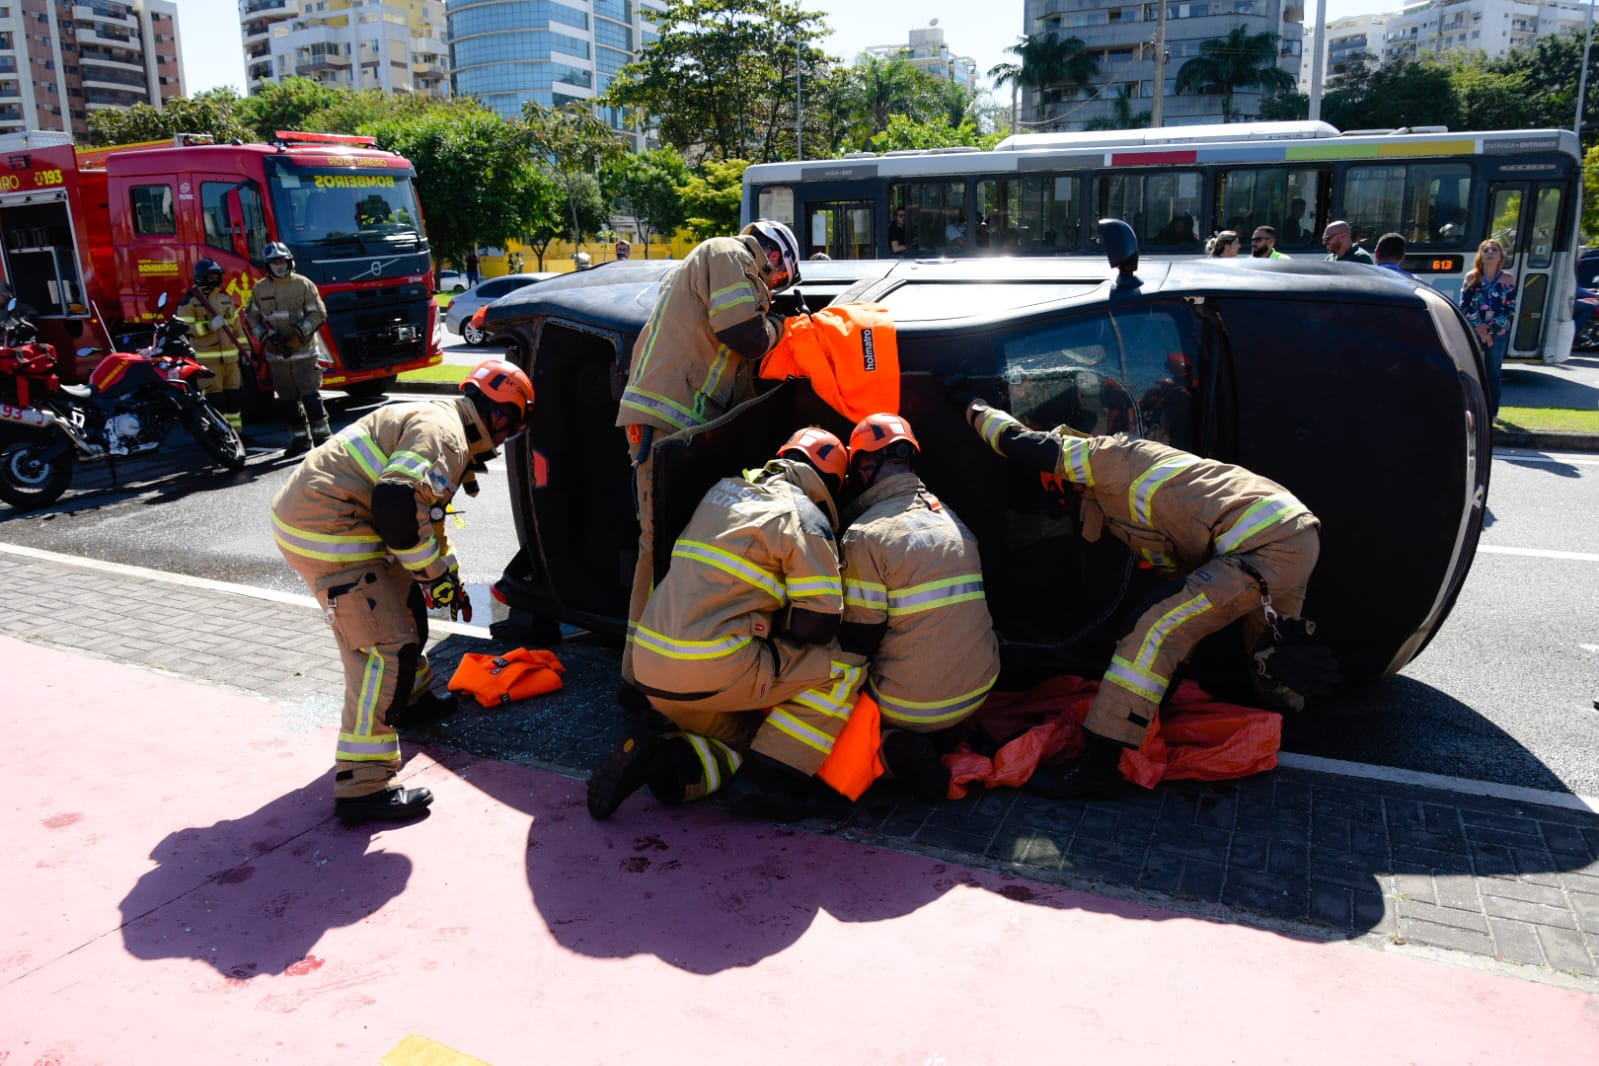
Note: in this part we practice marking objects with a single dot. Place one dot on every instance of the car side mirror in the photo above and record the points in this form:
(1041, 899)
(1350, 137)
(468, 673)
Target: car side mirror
(1121, 250)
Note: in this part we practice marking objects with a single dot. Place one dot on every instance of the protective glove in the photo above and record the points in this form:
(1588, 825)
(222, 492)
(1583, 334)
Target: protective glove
(446, 591)
(217, 322)
(1292, 658)
(278, 342)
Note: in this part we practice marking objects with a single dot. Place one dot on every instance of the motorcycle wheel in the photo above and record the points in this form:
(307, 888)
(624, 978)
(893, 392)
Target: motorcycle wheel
(1588, 336)
(213, 434)
(27, 479)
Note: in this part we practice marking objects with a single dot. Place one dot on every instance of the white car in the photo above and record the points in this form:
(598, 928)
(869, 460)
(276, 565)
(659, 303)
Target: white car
(458, 316)
(450, 280)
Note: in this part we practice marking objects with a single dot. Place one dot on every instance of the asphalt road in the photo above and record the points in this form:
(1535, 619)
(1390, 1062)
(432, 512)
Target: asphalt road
(1504, 693)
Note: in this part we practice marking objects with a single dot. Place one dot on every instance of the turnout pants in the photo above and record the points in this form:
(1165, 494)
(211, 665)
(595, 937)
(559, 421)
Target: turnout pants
(297, 381)
(379, 621)
(1213, 596)
(643, 456)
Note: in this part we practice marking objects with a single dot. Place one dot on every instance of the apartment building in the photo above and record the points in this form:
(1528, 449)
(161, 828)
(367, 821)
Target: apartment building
(1121, 36)
(926, 50)
(391, 45)
(61, 60)
(1490, 26)
(508, 52)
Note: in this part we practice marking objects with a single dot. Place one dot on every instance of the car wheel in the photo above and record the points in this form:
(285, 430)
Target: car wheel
(472, 335)
(456, 290)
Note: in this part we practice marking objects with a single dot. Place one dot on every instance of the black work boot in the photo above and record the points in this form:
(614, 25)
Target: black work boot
(394, 805)
(765, 788)
(1095, 773)
(913, 759)
(620, 774)
(426, 710)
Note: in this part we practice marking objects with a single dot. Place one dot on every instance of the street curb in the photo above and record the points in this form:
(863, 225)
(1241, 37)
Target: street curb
(1554, 442)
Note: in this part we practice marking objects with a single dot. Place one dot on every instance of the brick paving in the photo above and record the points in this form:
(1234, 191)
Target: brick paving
(1311, 853)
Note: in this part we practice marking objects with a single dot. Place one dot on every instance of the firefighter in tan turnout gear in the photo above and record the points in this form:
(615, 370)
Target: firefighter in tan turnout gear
(213, 320)
(1244, 545)
(913, 602)
(284, 315)
(361, 520)
(696, 358)
(737, 646)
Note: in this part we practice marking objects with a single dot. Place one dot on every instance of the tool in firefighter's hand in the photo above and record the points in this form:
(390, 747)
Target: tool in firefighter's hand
(1289, 655)
(446, 591)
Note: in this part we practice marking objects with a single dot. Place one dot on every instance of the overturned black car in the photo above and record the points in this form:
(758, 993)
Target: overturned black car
(1359, 391)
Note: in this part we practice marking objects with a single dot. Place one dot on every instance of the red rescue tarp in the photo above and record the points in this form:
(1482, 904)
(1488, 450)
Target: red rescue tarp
(1196, 737)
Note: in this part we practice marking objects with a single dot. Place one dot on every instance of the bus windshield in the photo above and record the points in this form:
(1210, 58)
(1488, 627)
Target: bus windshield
(319, 206)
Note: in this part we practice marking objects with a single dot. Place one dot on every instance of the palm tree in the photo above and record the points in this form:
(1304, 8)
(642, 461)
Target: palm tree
(1240, 60)
(1008, 72)
(1049, 61)
(1121, 116)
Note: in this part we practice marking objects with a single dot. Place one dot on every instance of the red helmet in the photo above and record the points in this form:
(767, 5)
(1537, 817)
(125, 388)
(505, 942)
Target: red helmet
(819, 448)
(876, 432)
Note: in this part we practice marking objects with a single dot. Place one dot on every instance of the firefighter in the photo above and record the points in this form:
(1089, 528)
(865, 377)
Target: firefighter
(913, 603)
(737, 646)
(696, 357)
(213, 320)
(284, 315)
(1239, 546)
(362, 522)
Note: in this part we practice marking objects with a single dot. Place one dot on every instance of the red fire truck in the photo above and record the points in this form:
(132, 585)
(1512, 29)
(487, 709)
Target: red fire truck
(90, 238)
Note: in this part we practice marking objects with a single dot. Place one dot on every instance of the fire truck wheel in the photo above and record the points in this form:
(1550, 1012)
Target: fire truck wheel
(27, 479)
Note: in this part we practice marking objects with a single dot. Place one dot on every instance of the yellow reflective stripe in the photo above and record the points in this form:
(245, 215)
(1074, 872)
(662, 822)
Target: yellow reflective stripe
(1141, 494)
(714, 373)
(408, 464)
(730, 296)
(660, 643)
(1074, 464)
(1163, 627)
(364, 450)
(792, 727)
(869, 594)
(805, 587)
(361, 747)
(991, 425)
(710, 754)
(728, 563)
(328, 547)
(1135, 679)
(426, 552)
(1262, 515)
(934, 594)
(949, 710)
(651, 403)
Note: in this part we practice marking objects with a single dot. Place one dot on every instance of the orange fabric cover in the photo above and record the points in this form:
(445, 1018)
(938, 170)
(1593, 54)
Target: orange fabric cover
(855, 761)
(1195, 738)
(495, 680)
(850, 353)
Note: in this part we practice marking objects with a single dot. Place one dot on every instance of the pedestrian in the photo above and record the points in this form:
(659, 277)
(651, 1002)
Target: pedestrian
(471, 268)
(582, 261)
(284, 315)
(513, 263)
(1263, 244)
(361, 520)
(898, 243)
(1341, 247)
(624, 250)
(738, 645)
(1238, 546)
(717, 302)
(1223, 245)
(1488, 298)
(1391, 254)
(913, 603)
(213, 320)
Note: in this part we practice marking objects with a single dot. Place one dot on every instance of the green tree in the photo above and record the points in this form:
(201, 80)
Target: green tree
(1548, 70)
(1122, 116)
(287, 105)
(712, 197)
(545, 214)
(1011, 73)
(876, 90)
(1493, 101)
(720, 75)
(214, 112)
(1590, 192)
(1285, 107)
(903, 133)
(575, 146)
(1240, 60)
(1402, 93)
(1052, 66)
(649, 186)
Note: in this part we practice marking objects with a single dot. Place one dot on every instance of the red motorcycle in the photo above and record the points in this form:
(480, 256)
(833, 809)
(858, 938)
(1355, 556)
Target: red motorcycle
(131, 404)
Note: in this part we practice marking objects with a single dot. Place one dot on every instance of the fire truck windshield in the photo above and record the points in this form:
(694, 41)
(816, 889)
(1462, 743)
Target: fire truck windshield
(316, 206)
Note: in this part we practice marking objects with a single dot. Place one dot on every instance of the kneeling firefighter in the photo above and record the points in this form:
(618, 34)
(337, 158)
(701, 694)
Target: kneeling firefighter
(284, 314)
(362, 522)
(213, 320)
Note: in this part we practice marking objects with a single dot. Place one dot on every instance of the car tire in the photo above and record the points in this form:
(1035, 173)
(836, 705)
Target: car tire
(456, 290)
(472, 335)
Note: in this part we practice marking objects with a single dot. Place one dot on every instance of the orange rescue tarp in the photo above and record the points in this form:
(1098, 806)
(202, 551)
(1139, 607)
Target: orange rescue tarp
(1196, 737)
(850, 353)
(495, 680)
(856, 760)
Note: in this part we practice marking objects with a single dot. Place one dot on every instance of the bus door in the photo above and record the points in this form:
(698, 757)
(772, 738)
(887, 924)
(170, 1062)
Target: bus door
(1526, 217)
(840, 229)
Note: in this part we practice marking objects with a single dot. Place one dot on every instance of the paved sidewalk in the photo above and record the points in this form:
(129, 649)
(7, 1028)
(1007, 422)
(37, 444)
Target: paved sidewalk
(1325, 856)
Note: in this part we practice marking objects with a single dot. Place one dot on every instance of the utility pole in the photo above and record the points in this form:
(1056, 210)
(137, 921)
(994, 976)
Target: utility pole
(799, 102)
(1158, 107)
(1582, 80)
(1316, 61)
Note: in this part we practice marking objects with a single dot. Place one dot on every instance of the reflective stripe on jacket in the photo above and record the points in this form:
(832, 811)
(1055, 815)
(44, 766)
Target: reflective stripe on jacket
(283, 304)
(205, 339)
(912, 565)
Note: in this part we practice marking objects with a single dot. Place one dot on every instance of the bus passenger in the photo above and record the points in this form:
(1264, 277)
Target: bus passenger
(898, 244)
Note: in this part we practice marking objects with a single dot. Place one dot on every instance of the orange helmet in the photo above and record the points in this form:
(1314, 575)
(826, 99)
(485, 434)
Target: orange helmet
(876, 432)
(495, 383)
(819, 448)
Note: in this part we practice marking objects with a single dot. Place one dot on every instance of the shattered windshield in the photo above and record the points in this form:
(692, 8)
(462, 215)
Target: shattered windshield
(332, 206)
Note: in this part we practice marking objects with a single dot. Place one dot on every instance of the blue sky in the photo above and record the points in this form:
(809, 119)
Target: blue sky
(212, 55)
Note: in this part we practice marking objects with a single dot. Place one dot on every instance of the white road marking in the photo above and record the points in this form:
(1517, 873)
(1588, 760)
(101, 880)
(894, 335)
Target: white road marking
(1542, 457)
(1538, 553)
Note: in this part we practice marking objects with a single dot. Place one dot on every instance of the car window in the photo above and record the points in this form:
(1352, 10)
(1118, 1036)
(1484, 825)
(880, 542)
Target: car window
(490, 290)
(1110, 372)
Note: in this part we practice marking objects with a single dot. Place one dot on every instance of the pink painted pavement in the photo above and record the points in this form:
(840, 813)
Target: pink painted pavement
(177, 892)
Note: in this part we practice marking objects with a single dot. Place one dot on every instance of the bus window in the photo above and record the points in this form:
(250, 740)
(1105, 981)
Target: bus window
(936, 214)
(1545, 229)
(1163, 208)
(1031, 215)
(1271, 196)
(1425, 202)
(776, 202)
(837, 230)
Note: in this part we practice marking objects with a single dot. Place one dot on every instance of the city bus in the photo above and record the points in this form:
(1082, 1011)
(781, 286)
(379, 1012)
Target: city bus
(1042, 194)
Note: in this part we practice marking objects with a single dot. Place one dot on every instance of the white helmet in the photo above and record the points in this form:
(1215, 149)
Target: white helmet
(778, 238)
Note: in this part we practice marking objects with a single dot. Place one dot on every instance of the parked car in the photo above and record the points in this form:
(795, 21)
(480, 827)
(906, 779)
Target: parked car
(1587, 335)
(458, 316)
(1360, 391)
(450, 280)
